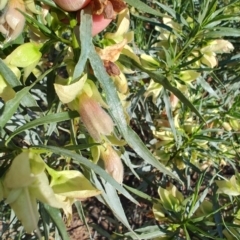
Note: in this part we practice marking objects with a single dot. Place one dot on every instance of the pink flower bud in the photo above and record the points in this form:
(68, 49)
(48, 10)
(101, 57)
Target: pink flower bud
(71, 5)
(112, 162)
(99, 23)
(94, 118)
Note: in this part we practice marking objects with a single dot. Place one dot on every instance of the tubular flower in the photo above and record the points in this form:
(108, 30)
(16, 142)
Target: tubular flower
(24, 183)
(69, 186)
(112, 162)
(69, 5)
(83, 96)
(109, 8)
(216, 46)
(153, 90)
(188, 75)
(25, 56)
(165, 34)
(171, 200)
(12, 21)
(230, 186)
(95, 119)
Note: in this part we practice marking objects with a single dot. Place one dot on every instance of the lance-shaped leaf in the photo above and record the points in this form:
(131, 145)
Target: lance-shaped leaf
(6, 91)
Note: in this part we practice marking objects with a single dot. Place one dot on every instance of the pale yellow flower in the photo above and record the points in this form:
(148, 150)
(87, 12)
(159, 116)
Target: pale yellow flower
(24, 183)
(212, 48)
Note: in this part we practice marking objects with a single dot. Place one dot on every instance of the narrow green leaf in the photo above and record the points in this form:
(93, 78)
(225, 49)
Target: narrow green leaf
(90, 165)
(205, 85)
(198, 230)
(149, 232)
(81, 214)
(58, 117)
(169, 114)
(110, 197)
(116, 206)
(109, 89)
(144, 7)
(33, 21)
(222, 17)
(8, 75)
(58, 221)
(140, 148)
(223, 32)
(11, 106)
(81, 146)
(139, 193)
(210, 139)
(85, 37)
(186, 232)
(207, 8)
(166, 8)
(45, 220)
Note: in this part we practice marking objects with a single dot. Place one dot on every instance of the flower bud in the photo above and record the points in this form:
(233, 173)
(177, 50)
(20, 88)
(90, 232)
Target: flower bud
(188, 75)
(218, 46)
(94, 118)
(99, 23)
(171, 198)
(112, 162)
(226, 126)
(71, 5)
(235, 124)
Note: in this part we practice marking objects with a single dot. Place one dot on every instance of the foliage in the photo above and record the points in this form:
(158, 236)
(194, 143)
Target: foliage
(154, 94)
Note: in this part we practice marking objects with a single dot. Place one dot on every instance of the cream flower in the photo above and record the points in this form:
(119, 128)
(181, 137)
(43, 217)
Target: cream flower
(216, 46)
(24, 183)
